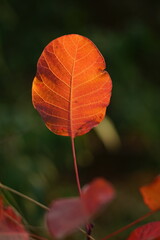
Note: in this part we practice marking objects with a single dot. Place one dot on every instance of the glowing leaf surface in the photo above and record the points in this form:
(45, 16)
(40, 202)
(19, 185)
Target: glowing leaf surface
(71, 89)
(151, 194)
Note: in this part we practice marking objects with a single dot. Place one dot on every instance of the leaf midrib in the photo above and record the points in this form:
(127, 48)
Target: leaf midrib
(71, 91)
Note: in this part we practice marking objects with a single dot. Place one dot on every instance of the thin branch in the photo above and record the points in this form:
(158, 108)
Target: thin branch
(129, 225)
(37, 237)
(88, 226)
(23, 196)
(86, 233)
(20, 224)
(33, 201)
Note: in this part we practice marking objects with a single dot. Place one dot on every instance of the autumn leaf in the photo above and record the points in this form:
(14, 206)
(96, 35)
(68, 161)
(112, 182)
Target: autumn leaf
(66, 215)
(71, 89)
(151, 194)
(11, 227)
(149, 231)
(96, 194)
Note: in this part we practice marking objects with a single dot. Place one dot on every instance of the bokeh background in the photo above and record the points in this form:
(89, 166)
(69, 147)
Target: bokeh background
(126, 150)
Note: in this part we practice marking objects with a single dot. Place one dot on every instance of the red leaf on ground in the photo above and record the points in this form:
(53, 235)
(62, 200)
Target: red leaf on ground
(151, 194)
(11, 227)
(71, 89)
(66, 215)
(149, 231)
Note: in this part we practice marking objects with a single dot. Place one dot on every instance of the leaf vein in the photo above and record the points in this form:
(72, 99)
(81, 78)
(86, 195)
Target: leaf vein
(55, 74)
(85, 69)
(54, 116)
(67, 51)
(60, 61)
(83, 45)
(94, 91)
(87, 116)
(87, 104)
(72, 41)
(85, 55)
(50, 103)
(83, 83)
(55, 92)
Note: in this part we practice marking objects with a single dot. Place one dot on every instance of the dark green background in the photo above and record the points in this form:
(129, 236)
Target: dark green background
(38, 163)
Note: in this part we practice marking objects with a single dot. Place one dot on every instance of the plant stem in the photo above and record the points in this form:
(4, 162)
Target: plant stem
(89, 230)
(33, 201)
(75, 167)
(91, 238)
(23, 196)
(88, 226)
(129, 225)
(37, 237)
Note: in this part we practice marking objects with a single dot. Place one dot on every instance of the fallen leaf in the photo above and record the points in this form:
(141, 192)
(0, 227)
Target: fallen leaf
(151, 194)
(71, 89)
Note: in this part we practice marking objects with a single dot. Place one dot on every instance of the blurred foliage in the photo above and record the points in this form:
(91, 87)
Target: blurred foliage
(39, 163)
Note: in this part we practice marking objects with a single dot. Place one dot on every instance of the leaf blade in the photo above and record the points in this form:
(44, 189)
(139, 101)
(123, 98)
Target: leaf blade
(149, 231)
(151, 194)
(66, 215)
(11, 227)
(71, 90)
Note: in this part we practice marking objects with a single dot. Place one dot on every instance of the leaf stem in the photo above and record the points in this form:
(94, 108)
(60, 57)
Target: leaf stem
(129, 225)
(23, 196)
(37, 237)
(76, 167)
(91, 238)
(88, 226)
(33, 201)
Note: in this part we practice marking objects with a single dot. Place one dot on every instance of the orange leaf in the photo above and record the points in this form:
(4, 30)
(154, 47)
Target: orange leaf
(151, 194)
(71, 90)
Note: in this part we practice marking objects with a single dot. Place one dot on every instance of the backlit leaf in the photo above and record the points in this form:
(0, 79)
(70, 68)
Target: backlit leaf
(151, 194)
(66, 215)
(149, 231)
(71, 89)
(11, 227)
